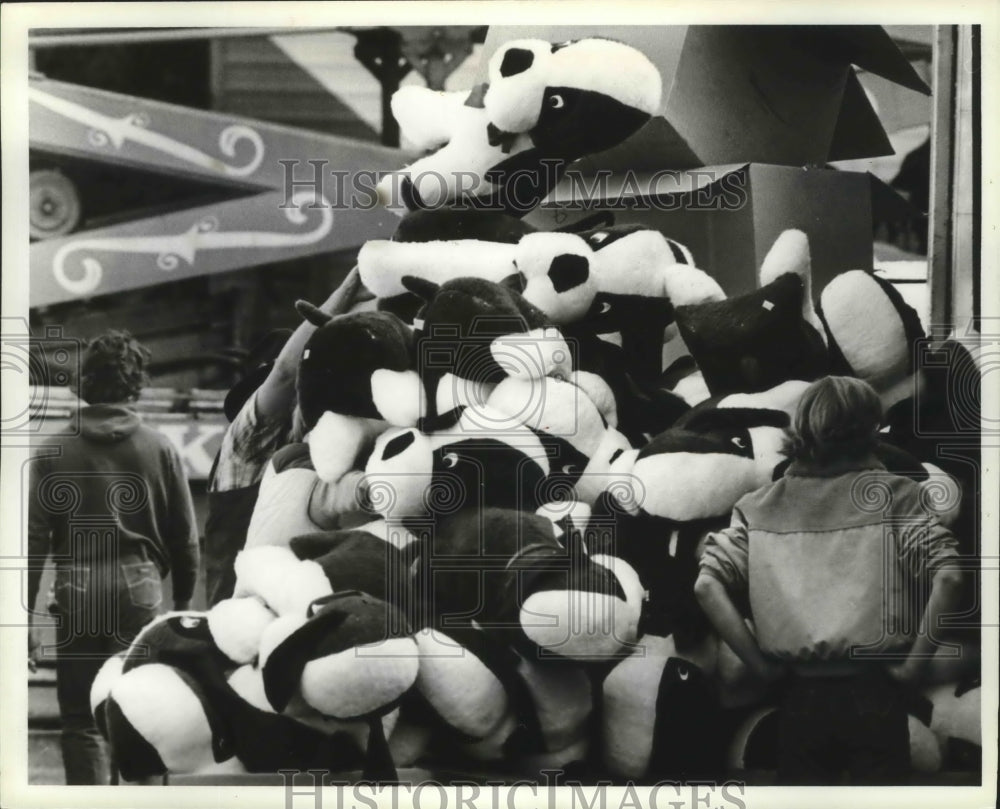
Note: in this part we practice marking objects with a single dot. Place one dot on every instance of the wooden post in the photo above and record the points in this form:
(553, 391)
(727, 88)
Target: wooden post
(942, 119)
(955, 229)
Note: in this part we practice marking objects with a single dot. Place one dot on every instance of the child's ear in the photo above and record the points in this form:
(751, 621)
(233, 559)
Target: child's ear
(515, 281)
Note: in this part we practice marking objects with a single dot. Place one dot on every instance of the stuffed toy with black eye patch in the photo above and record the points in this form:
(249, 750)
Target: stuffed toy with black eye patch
(662, 500)
(485, 459)
(661, 712)
(506, 571)
(344, 666)
(641, 276)
(356, 377)
(477, 159)
(754, 341)
(471, 334)
(559, 273)
(872, 333)
(173, 703)
(571, 98)
(575, 420)
(437, 246)
(759, 339)
(466, 163)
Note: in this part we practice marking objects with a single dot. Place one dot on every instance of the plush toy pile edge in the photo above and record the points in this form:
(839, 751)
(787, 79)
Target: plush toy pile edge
(538, 482)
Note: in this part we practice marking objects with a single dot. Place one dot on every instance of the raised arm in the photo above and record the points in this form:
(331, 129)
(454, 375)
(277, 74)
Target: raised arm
(276, 395)
(182, 543)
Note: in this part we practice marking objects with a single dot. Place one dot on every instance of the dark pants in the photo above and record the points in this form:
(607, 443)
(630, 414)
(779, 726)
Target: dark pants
(832, 724)
(99, 608)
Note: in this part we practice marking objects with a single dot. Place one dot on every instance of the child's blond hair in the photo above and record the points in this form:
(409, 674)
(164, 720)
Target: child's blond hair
(838, 417)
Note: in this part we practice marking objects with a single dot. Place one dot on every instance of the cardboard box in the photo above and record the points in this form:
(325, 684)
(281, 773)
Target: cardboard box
(784, 95)
(729, 216)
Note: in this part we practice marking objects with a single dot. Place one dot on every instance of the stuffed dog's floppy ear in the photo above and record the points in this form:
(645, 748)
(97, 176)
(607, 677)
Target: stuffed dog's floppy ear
(721, 418)
(515, 281)
(312, 313)
(422, 288)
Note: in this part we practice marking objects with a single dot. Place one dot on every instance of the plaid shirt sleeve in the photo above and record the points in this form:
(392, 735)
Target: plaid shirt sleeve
(247, 446)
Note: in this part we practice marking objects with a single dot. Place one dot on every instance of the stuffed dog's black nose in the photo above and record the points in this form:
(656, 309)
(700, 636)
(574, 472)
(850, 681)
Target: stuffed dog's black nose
(568, 271)
(515, 61)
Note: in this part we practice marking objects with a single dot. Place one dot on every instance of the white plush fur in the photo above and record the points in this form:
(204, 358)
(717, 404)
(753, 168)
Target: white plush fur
(630, 706)
(768, 452)
(683, 284)
(579, 625)
(456, 391)
(491, 748)
(460, 165)
(382, 264)
(236, 625)
(167, 714)
(867, 328)
(459, 686)
(396, 486)
(336, 441)
(642, 263)
(784, 396)
(276, 632)
(427, 117)
(598, 475)
(256, 568)
(576, 511)
(622, 484)
(925, 749)
(600, 394)
(690, 485)
(408, 742)
(633, 265)
(534, 256)
(285, 583)
(693, 389)
(360, 680)
(395, 533)
(960, 717)
(399, 396)
(513, 103)
(562, 698)
(634, 80)
(534, 354)
(248, 682)
(282, 508)
(552, 406)
(108, 673)
(790, 254)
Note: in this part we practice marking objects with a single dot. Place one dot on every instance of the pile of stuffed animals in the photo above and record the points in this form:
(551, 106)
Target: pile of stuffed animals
(546, 427)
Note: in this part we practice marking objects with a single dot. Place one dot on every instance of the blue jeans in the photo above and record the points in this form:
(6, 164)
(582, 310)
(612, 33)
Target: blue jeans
(100, 608)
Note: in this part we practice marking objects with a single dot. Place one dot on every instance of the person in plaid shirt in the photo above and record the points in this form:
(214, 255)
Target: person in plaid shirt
(262, 411)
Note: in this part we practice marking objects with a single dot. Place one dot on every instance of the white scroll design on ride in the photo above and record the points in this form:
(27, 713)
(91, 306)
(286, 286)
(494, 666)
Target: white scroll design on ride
(134, 127)
(204, 234)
